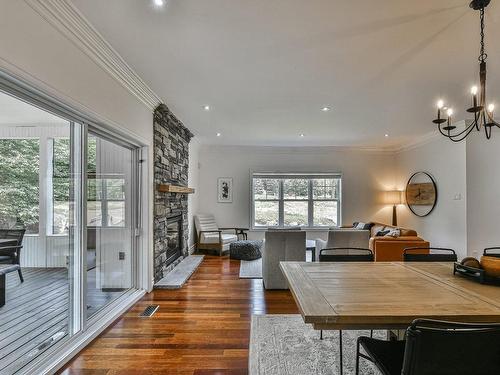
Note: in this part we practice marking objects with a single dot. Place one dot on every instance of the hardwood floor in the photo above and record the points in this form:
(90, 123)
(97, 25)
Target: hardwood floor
(201, 329)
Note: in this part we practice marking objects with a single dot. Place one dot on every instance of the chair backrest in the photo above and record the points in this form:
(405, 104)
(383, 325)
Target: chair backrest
(14, 234)
(346, 254)
(492, 251)
(445, 348)
(410, 254)
(281, 246)
(205, 222)
(348, 238)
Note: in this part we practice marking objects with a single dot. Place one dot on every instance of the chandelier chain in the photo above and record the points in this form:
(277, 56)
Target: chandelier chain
(483, 55)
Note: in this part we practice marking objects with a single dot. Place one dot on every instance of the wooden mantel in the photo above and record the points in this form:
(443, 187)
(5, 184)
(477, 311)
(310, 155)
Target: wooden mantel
(169, 188)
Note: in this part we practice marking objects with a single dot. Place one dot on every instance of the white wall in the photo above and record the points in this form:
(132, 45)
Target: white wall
(483, 192)
(365, 175)
(445, 161)
(35, 51)
(43, 55)
(193, 182)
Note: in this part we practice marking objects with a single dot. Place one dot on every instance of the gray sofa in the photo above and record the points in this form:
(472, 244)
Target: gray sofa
(344, 237)
(282, 245)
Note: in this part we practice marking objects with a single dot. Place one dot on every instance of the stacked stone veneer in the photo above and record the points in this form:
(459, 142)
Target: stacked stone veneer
(171, 164)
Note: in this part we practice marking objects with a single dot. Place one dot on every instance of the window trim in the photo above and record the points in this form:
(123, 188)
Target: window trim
(310, 200)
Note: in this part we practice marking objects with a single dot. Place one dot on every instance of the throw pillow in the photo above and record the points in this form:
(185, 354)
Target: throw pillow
(382, 233)
(364, 226)
(355, 224)
(394, 232)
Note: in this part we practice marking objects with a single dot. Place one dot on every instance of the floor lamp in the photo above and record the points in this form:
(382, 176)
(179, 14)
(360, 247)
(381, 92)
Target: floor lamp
(394, 197)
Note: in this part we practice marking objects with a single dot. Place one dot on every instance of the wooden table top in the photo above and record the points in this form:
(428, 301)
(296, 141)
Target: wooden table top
(387, 295)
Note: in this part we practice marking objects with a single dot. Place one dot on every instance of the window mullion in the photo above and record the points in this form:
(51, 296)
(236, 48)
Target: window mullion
(310, 222)
(281, 205)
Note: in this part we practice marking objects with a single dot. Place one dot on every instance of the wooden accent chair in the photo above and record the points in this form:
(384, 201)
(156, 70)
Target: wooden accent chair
(211, 237)
(10, 252)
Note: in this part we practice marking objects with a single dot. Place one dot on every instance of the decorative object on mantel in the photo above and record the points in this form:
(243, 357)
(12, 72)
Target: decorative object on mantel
(394, 197)
(483, 111)
(169, 188)
(421, 194)
(225, 190)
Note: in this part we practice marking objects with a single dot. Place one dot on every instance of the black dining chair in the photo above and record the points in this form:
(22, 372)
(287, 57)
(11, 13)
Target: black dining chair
(436, 347)
(10, 251)
(441, 255)
(345, 254)
(492, 251)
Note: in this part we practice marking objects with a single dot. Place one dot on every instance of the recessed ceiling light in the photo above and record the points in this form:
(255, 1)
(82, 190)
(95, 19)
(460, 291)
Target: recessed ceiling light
(218, 134)
(387, 135)
(206, 107)
(326, 109)
(302, 135)
(158, 3)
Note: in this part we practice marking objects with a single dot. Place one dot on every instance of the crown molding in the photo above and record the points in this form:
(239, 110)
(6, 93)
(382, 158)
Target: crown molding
(428, 138)
(68, 20)
(418, 142)
(287, 150)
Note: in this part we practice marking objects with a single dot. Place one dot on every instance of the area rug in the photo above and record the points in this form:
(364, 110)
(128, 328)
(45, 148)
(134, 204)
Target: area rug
(181, 273)
(251, 269)
(285, 345)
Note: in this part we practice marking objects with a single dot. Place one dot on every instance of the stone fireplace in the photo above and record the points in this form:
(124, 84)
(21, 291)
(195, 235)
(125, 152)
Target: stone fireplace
(174, 238)
(171, 164)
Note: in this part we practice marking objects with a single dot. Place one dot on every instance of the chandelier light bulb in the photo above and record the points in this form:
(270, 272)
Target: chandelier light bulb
(473, 90)
(449, 112)
(440, 104)
(491, 108)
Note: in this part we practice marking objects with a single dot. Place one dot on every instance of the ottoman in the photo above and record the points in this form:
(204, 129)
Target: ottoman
(245, 250)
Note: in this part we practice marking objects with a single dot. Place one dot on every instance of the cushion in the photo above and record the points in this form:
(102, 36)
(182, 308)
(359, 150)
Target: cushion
(214, 238)
(408, 232)
(393, 232)
(363, 226)
(383, 232)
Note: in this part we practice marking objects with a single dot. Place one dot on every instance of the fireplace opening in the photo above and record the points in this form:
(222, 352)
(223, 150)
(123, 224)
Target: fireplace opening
(174, 238)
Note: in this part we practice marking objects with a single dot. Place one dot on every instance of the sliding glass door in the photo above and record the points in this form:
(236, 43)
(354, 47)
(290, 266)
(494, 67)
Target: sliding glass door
(39, 232)
(111, 182)
(68, 219)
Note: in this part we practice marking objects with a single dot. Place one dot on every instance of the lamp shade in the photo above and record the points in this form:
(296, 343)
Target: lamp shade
(393, 197)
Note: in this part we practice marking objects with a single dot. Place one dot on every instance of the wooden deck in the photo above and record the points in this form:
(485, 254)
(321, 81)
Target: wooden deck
(35, 314)
(35, 311)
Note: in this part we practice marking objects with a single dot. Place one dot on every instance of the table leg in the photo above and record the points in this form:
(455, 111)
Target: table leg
(2, 290)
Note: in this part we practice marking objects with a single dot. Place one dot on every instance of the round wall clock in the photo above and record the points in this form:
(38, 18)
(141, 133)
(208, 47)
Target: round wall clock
(421, 194)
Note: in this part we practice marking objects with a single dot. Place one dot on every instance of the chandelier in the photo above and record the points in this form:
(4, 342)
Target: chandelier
(483, 112)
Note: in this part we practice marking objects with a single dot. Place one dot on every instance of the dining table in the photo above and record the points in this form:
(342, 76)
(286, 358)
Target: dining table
(387, 295)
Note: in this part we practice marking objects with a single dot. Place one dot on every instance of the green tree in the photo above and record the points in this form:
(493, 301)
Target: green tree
(19, 184)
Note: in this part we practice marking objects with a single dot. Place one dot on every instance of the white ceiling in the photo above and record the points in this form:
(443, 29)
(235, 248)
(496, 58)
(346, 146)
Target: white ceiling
(267, 67)
(16, 112)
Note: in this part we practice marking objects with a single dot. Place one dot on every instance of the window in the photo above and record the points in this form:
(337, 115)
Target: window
(289, 200)
(19, 183)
